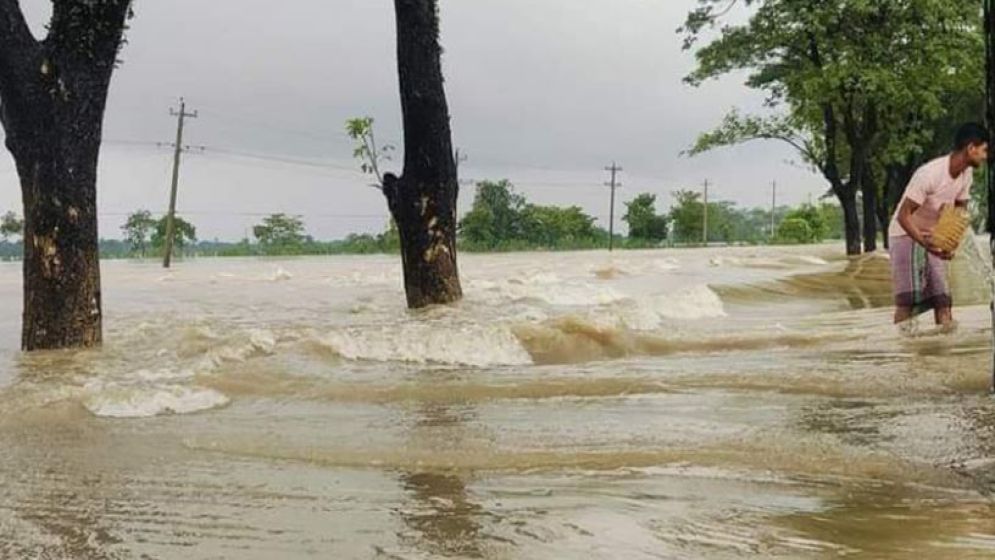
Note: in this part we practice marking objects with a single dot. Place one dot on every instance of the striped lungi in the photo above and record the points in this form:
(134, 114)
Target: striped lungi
(919, 277)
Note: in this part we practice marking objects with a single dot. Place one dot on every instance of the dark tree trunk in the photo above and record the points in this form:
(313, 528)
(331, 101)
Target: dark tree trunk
(423, 200)
(869, 200)
(884, 217)
(989, 25)
(897, 176)
(851, 219)
(62, 304)
(52, 99)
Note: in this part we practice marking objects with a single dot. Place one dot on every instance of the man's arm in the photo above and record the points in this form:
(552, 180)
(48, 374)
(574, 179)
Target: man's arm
(905, 212)
(920, 236)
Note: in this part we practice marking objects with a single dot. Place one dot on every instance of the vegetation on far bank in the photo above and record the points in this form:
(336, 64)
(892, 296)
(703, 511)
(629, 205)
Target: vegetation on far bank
(500, 220)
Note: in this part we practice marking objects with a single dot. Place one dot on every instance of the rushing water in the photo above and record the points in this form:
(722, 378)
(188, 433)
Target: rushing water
(721, 403)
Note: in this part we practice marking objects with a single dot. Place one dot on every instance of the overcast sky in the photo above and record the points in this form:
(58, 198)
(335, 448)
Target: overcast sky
(545, 93)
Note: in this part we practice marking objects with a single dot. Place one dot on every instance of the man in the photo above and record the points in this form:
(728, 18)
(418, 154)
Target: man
(918, 266)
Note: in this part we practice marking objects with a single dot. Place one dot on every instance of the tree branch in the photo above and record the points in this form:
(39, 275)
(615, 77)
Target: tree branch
(88, 32)
(14, 31)
(15, 42)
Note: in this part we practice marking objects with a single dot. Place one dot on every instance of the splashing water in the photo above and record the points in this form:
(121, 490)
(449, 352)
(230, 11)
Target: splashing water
(706, 403)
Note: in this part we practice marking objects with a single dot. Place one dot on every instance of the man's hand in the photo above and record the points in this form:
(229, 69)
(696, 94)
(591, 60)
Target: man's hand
(927, 242)
(945, 255)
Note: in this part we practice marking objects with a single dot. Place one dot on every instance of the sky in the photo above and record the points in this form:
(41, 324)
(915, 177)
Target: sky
(545, 93)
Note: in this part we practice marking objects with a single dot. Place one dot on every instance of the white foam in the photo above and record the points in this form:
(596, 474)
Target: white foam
(119, 400)
(698, 302)
(648, 314)
(280, 274)
(261, 342)
(426, 343)
(668, 263)
(812, 260)
(546, 288)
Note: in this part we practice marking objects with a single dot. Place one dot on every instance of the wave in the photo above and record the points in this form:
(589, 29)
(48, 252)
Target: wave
(524, 338)
(123, 400)
(818, 459)
(863, 283)
(428, 343)
(270, 385)
(783, 262)
(545, 288)
(574, 340)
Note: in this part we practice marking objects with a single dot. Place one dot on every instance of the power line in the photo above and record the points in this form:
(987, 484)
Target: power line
(280, 159)
(212, 113)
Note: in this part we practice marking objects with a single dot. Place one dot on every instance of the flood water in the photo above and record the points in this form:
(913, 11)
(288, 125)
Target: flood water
(720, 403)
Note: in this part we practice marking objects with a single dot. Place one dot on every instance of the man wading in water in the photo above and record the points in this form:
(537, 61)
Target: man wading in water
(918, 266)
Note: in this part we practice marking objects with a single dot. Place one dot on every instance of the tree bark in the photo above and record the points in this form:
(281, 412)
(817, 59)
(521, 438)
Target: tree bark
(52, 99)
(423, 200)
(851, 219)
(845, 192)
(869, 200)
(989, 27)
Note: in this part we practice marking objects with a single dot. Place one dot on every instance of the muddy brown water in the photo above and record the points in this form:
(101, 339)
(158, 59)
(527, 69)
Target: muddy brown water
(720, 403)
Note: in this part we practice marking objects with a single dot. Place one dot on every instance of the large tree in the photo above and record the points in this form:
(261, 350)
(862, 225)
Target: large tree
(496, 215)
(644, 222)
(137, 229)
(852, 83)
(989, 27)
(52, 98)
(423, 199)
(281, 234)
(184, 234)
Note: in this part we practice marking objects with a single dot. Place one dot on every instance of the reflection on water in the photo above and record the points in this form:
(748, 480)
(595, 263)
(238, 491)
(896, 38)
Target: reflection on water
(441, 519)
(713, 403)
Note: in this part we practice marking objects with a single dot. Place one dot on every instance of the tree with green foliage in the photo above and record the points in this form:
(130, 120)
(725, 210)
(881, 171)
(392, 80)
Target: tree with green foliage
(11, 225)
(644, 222)
(185, 234)
(281, 234)
(857, 83)
(138, 230)
(795, 230)
(804, 224)
(496, 215)
(811, 215)
(552, 226)
(831, 216)
(687, 215)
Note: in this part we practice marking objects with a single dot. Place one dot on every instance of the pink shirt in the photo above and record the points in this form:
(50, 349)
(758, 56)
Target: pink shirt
(932, 188)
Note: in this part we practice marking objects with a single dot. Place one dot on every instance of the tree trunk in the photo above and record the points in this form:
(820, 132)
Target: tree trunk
(62, 304)
(989, 26)
(851, 220)
(52, 99)
(423, 200)
(869, 201)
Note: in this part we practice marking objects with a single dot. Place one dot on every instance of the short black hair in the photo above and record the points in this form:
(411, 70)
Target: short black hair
(971, 134)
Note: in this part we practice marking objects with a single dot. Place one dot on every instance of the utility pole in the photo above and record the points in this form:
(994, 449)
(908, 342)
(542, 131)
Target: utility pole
(704, 216)
(773, 211)
(614, 184)
(178, 149)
